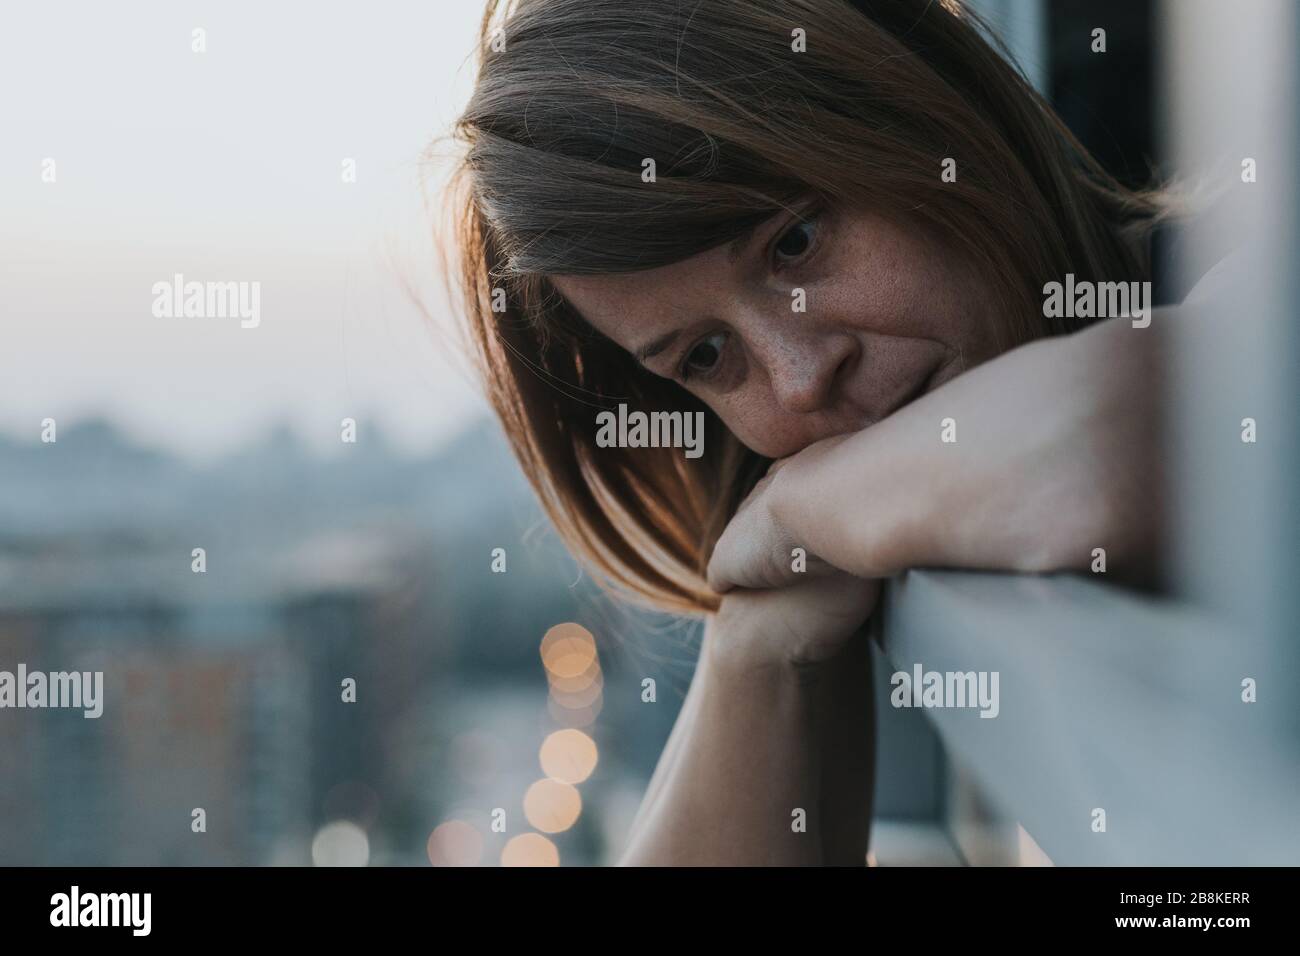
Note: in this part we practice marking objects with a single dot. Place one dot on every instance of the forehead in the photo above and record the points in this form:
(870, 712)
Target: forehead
(627, 307)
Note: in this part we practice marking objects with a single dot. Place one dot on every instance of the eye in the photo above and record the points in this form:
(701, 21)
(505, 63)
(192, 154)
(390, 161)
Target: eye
(704, 356)
(796, 240)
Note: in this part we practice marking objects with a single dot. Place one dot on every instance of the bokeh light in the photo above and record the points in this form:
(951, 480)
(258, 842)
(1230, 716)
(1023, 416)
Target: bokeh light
(568, 756)
(552, 806)
(455, 843)
(573, 716)
(341, 843)
(530, 849)
(577, 683)
(568, 650)
(584, 697)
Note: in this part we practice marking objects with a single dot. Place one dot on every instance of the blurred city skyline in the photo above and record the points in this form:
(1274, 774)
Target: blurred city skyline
(226, 165)
(222, 688)
(327, 559)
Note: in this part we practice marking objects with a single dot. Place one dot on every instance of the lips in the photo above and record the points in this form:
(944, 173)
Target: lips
(926, 382)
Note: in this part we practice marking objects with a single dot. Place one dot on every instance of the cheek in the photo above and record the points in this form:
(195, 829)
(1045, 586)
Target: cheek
(761, 425)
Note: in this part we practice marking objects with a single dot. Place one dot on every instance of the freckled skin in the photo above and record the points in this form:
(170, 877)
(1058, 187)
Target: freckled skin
(1066, 448)
(891, 313)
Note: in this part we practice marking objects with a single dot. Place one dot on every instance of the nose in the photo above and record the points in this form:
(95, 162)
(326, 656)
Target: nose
(806, 368)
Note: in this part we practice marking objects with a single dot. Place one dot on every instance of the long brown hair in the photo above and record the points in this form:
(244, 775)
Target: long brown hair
(571, 97)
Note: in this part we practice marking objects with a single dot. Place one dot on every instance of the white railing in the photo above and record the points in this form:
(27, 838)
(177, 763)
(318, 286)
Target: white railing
(1106, 701)
(1112, 701)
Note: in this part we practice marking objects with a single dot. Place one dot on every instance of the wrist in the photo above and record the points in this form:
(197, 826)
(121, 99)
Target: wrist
(744, 641)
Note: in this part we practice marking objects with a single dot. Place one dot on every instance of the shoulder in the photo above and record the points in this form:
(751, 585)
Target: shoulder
(1195, 254)
(1220, 277)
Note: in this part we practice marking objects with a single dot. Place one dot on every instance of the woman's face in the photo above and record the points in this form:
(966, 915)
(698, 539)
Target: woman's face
(890, 313)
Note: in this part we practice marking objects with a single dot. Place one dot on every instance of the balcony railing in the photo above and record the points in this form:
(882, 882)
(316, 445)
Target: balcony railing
(1107, 702)
(1132, 706)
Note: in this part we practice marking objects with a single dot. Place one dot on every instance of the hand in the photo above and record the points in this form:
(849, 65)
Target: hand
(756, 549)
(1057, 452)
(804, 625)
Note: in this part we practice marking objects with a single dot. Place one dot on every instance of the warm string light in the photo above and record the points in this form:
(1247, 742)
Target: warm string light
(567, 756)
(455, 843)
(530, 849)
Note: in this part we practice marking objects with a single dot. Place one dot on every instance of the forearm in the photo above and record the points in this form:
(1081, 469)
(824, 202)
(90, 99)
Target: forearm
(1055, 451)
(755, 743)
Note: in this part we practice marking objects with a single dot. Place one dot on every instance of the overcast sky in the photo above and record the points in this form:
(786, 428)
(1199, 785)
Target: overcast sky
(226, 165)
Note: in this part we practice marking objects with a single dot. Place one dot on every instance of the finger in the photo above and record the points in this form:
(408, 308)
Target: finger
(717, 579)
(733, 566)
(819, 568)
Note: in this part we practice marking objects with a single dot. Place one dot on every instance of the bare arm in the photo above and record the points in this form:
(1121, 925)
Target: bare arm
(777, 720)
(1057, 452)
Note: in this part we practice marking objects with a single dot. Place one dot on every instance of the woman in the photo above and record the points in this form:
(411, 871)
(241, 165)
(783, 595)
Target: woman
(827, 226)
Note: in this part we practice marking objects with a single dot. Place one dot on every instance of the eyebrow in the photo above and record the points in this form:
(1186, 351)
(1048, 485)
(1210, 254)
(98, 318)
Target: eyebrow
(737, 246)
(735, 249)
(658, 345)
